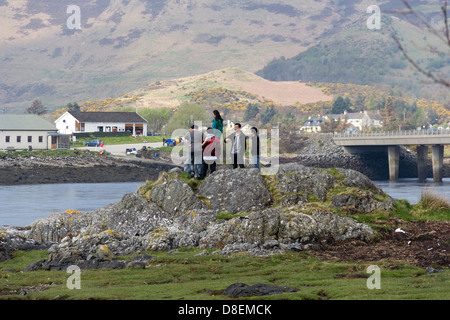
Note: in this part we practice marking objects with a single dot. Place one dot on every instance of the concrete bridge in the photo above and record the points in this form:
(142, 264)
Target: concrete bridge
(363, 142)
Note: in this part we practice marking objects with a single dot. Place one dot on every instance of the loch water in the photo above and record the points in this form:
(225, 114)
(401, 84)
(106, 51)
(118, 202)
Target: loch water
(23, 204)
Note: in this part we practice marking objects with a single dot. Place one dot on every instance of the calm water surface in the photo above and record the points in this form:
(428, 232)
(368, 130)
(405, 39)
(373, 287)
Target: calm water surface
(411, 189)
(22, 205)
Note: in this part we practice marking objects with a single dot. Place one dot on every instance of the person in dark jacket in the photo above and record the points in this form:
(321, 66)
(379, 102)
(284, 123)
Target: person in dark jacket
(194, 139)
(255, 149)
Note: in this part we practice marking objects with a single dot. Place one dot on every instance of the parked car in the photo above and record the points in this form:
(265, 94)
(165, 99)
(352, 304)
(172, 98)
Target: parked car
(94, 143)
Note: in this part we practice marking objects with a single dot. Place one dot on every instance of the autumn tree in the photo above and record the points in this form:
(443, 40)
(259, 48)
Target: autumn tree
(36, 107)
(330, 125)
(388, 115)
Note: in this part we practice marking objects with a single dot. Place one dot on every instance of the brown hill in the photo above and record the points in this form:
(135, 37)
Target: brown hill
(172, 93)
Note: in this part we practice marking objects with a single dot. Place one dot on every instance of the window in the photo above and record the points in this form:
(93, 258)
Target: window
(30, 139)
(7, 139)
(41, 139)
(19, 138)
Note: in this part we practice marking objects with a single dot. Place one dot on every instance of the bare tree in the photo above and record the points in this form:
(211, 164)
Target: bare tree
(36, 107)
(443, 34)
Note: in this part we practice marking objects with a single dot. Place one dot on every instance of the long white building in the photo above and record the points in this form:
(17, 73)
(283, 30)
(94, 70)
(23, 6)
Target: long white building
(77, 122)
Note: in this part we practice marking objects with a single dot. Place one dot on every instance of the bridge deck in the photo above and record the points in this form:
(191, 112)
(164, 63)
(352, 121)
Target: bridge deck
(411, 137)
(390, 141)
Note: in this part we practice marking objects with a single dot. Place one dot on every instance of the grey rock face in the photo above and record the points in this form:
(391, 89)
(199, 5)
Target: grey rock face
(237, 290)
(361, 203)
(356, 179)
(170, 215)
(175, 197)
(293, 179)
(236, 190)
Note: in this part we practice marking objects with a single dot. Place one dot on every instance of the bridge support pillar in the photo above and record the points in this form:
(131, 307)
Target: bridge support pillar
(394, 159)
(438, 162)
(422, 157)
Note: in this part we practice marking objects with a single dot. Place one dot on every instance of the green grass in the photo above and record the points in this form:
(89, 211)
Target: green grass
(227, 215)
(181, 275)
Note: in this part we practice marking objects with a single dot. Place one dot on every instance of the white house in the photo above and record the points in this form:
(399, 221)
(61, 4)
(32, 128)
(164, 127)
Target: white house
(76, 122)
(312, 125)
(28, 131)
(359, 120)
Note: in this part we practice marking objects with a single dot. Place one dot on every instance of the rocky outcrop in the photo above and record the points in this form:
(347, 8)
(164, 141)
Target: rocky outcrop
(231, 210)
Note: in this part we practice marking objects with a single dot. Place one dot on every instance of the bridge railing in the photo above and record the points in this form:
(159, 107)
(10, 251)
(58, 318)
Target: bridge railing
(425, 132)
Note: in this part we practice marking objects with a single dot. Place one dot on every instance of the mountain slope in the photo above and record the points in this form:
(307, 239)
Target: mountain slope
(124, 44)
(355, 54)
(172, 93)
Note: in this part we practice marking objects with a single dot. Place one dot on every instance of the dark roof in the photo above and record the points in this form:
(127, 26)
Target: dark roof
(107, 116)
(314, 122)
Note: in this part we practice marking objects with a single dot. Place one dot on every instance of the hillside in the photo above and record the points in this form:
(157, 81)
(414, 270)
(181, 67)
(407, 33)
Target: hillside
(172, 92)
(123, 45)
(354, 54)
(230, 87)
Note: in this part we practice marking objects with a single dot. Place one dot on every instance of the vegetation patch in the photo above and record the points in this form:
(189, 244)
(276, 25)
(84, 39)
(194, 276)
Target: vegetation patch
(272, 185)
(183, 274)
(227, 215)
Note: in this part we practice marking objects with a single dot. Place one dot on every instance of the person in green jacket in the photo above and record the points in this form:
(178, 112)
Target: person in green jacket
(217, 122)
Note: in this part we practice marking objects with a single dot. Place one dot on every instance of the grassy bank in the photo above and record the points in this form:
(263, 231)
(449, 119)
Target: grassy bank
(182, 275)
(119, 140)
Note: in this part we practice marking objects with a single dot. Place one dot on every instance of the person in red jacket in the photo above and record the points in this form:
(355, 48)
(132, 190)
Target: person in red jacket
(211, 147)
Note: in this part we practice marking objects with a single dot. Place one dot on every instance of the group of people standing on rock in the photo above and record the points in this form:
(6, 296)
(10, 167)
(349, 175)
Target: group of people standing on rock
(204, 148)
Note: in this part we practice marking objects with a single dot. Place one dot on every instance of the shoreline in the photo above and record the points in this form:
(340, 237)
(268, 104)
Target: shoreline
(81, 169)
(87, 168)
